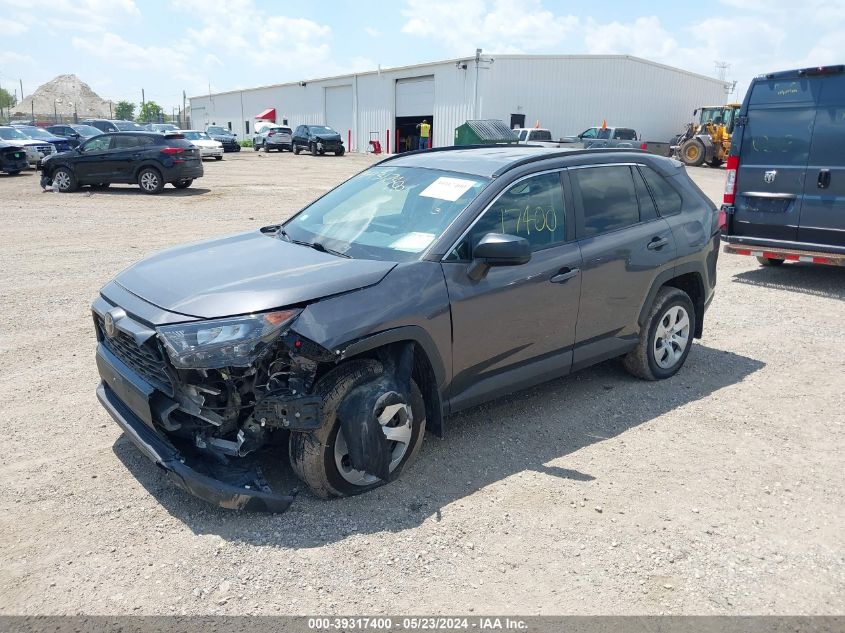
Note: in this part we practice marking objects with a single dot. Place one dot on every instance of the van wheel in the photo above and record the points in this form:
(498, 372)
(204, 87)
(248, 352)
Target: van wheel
(665, 338)
(64, 179)
(692, 153)
(320, 458)
(716, 162)
(770, 261)
(150, 181)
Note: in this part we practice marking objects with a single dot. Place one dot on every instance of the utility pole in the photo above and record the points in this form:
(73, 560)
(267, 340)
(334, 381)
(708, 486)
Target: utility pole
(21, 82)
(479, 65)
(722, 69)
(142, 104)
(182, 114)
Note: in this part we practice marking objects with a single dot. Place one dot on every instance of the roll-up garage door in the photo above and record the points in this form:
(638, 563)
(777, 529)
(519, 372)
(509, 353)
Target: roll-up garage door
(415, 96)
(339, 109)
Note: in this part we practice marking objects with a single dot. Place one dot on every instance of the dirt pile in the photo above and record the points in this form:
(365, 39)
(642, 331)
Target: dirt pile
(64, 95)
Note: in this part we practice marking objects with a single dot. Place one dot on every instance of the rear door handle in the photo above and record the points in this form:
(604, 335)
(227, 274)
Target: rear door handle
(657, 243)
(824, 179)
(565, 274)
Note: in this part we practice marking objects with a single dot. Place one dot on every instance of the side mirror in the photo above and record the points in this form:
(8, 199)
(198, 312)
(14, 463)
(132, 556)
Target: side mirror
(498, 249)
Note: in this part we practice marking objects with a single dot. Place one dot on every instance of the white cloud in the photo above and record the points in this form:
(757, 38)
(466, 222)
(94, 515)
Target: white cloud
(72, 15)
(11, 58)
(501, 26)
(372, 31)
(11, 28)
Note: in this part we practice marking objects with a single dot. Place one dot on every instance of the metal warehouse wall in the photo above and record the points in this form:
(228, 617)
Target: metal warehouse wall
(569, 94)
(566, 94)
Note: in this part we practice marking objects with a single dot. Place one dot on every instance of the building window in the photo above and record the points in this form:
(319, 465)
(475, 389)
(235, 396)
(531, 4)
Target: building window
(246, 126)
(229, 124)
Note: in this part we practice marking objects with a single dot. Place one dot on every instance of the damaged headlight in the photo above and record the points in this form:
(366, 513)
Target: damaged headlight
(232, 342)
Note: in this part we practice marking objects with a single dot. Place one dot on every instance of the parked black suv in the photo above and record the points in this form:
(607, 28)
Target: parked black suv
(426, 284)
(317, 139)
(107, 125)
(228, 138)
(12, 158)
(785, 191)
(147, 158)
(75, 133)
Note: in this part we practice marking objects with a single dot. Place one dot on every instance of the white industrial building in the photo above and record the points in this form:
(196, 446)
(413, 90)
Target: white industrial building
(565, 93)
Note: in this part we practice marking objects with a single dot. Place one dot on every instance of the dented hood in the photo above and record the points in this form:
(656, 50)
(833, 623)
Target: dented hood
(247, 272)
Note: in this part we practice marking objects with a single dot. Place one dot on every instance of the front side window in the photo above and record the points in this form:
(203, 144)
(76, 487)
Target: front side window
(386, 213)
(589, 133)
(97, 144)
(608, 198)
(532, 208)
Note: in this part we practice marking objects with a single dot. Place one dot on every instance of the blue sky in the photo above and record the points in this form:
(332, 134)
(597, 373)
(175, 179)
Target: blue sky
(165, 46)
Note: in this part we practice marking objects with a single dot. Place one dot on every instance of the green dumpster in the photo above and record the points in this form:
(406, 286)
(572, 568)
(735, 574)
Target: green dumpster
(484, 132)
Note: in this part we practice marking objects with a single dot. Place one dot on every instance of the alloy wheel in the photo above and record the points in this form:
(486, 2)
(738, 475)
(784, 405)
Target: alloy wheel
(149, 181)
(671, 337)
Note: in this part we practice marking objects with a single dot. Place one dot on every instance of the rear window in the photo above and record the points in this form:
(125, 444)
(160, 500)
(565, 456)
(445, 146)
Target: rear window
(667, 199)
(173, 140)
(541, 135)
(608, 198)
(778, 136)
(625, 134)
(785, 90)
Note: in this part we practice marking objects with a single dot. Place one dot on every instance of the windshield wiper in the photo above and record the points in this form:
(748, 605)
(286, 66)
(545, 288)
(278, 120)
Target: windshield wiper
(317, 246)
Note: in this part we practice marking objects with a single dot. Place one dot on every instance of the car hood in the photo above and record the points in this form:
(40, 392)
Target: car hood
(206, 143)
(245, 273)
(328, 137)
(27, 142)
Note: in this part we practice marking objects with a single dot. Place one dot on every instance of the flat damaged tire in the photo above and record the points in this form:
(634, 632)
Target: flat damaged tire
(314, 456)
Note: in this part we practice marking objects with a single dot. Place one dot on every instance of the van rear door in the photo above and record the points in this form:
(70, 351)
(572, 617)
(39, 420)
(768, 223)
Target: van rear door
(822, 218)
(774, 151)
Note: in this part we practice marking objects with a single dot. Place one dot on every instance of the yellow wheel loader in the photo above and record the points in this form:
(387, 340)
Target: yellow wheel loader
(707, 139)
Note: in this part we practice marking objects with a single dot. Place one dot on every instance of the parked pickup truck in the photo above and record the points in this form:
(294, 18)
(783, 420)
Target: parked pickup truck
(538, 136)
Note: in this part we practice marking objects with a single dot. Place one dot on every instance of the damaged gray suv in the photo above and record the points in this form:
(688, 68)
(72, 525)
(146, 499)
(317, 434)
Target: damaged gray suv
(428, 283)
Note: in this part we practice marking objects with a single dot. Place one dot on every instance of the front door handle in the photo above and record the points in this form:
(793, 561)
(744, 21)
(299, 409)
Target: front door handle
(824, 179)
(565, 274)
(657, 243)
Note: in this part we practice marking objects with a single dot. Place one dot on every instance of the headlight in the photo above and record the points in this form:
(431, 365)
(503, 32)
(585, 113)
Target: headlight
(234, 342)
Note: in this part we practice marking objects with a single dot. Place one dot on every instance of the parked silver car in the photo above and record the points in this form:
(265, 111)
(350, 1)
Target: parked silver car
(277, 137)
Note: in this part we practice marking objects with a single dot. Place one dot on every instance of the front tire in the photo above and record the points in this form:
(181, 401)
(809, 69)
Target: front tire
(318, 458)
(65, 180)
(218, 158)
(666, 338)
(296, 150)
(770, 261)
(313, 149)
(692, 153)
(150, 181)
(340, 152)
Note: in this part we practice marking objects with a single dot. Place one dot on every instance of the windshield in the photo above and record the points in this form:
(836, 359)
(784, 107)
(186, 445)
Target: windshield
(11, 134)
(217, 130)
(126, 126)
(196, 136)
(386, 213)
(86, 130)
(321, 129)
(34, 132)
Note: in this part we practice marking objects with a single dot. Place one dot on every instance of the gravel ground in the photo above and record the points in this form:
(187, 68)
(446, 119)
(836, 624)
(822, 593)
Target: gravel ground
(719, 491)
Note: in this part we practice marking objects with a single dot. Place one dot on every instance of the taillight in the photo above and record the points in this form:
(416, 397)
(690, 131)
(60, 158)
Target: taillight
(730, 179)
(172, 150)
(643, 146)
(271, 134)
(723, 220)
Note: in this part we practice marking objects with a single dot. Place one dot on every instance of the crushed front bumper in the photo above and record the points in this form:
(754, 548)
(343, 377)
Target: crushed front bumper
(163, 454)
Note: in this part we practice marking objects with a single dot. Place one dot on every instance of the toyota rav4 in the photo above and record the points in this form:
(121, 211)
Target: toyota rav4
(426, 284)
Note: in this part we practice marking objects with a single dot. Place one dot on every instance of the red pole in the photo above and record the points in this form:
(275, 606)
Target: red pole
(349, 140)
(397, 141)
(388, 142)
(430, 136)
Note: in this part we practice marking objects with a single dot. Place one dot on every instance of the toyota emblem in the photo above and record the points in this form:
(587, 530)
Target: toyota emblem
(108, 324)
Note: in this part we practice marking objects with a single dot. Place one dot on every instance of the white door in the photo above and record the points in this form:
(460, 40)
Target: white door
(339, 110)
(415, 96)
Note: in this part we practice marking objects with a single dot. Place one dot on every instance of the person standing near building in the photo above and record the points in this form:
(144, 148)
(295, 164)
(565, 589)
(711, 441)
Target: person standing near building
(425, 131)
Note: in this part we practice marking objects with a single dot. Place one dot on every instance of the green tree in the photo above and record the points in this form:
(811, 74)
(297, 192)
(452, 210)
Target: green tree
(150, 112)
(124, 110)
(7, 99)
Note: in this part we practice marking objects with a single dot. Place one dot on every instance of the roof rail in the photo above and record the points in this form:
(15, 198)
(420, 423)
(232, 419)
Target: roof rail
(521, 161)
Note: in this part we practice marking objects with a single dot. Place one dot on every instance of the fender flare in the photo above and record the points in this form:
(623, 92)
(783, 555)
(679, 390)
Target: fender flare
(403, 333)
(668, 275)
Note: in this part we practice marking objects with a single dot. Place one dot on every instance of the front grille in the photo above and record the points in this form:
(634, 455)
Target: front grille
(44, 149)
(146, 360)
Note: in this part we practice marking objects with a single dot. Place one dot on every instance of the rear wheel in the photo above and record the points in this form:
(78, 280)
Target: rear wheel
(183, 184)
(770, 261)
(64, 180)
(14, 172)
(666, 336)
(150, 181)
(266, 148)
(321, 458)
(218, 158)
(692, 153)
